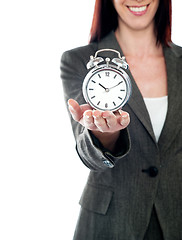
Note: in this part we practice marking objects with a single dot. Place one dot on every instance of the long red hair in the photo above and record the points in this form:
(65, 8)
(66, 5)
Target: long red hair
(105, 19)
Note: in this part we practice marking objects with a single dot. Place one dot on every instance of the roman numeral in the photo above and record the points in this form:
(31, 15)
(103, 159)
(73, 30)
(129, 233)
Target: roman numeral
(107, 74)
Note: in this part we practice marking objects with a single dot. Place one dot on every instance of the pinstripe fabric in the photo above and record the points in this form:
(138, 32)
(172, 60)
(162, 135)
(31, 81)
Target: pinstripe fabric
(117, 203)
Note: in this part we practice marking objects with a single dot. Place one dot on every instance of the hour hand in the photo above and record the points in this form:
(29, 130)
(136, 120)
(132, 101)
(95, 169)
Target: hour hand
(106, 89)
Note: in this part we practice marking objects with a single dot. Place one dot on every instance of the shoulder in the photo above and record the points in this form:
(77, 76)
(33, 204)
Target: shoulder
(74, 61)
(80, 54)
(177, 50)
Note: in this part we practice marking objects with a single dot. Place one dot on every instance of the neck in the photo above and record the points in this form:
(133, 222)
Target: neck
(138, 43)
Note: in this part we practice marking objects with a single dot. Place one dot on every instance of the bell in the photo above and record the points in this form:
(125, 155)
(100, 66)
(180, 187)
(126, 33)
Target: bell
(120, 62)
(94, 62)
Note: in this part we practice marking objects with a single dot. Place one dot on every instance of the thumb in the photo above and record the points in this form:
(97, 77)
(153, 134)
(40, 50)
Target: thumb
(75, 110)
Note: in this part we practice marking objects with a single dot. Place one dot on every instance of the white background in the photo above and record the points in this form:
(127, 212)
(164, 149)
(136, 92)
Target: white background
(41, 177)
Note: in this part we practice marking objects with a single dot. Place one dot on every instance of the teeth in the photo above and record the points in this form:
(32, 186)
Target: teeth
(138, 9)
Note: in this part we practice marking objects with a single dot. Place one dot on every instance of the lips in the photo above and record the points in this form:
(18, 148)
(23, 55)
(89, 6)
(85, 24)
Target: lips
(138, 10)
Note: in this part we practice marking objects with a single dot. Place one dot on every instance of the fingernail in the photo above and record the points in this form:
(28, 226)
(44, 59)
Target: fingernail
(71, 108)
(120, 111)
(94, 113)
(104, 116)
(87, 116)
(125, 116)
(96, 117)
(123, 122)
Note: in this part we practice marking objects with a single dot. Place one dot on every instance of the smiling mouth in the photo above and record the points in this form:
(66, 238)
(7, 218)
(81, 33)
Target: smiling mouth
(138, 10)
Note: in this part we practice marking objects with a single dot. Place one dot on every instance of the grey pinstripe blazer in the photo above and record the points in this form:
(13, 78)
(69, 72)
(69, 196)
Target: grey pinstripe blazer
(123, 188)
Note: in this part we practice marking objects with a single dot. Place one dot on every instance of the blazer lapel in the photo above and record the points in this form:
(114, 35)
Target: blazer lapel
(136, 102)
(174, 115)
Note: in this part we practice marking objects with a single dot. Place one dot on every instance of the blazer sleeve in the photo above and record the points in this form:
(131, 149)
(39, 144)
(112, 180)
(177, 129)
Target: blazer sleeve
(89, 149)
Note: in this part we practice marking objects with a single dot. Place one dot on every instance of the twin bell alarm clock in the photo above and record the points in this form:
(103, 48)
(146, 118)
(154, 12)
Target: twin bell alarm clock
(107, 86)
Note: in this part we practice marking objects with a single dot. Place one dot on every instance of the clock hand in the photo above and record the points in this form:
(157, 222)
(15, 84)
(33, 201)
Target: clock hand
(106, 89)
(115, 85)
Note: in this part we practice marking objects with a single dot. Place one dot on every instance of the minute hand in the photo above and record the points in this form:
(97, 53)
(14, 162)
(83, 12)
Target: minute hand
(115, 85)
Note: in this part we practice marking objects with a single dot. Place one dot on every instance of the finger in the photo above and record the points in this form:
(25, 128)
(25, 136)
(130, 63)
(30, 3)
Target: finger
(111, 119)
(88, 120)
(85, 107)
(99, 121)
(124, 120)
(75, 110)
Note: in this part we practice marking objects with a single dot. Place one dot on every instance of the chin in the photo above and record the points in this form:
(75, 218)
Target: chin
(142, 25)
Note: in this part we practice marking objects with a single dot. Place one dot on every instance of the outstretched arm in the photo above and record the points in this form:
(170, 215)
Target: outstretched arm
(105, 126)
(102, 138)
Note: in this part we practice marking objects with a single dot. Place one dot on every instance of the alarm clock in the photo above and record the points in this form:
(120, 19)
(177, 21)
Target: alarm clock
(107, 86)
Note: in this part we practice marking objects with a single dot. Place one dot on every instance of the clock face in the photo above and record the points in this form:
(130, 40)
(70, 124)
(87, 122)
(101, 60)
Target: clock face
(107, 88)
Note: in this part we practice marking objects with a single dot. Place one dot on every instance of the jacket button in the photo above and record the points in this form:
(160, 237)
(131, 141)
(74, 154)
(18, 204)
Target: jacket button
(108, 163)
(152, 171)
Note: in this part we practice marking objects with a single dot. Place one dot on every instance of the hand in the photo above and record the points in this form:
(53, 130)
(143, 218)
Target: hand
(104, 125)
(98, 120)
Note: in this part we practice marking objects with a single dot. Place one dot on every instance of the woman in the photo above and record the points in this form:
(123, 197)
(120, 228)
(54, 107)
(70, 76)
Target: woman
(134, 190)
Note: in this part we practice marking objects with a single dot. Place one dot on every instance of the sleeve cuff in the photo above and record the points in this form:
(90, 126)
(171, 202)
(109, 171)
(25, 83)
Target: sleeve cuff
(122, 144)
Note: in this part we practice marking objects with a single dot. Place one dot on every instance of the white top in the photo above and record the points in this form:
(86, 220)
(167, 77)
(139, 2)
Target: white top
(157, 109)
